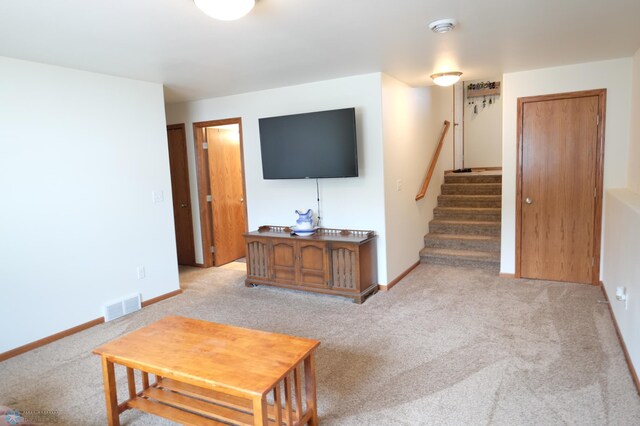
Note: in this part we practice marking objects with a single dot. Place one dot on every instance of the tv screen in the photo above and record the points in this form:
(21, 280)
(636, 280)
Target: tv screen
(312, 145)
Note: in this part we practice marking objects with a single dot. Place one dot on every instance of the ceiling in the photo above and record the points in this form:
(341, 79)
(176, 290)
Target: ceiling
(287, 42)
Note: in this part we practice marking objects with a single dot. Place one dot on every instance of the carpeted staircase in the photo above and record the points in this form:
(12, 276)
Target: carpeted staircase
(465, 229)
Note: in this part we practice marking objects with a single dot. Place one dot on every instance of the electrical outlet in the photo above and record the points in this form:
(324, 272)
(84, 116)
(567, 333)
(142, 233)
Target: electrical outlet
(399, 185)
(623, 296)
(141, 272)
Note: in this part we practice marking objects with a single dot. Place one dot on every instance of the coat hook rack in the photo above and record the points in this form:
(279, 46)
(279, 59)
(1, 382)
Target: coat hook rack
(487, 90)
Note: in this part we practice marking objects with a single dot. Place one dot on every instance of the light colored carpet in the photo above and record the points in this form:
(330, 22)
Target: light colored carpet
(445, 346)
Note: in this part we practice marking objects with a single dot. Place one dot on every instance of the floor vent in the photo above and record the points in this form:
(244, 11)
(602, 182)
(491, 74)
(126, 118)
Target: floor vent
(122, 307)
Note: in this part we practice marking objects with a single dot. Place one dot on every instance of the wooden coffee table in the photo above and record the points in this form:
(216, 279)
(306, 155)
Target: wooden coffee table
(213, 374)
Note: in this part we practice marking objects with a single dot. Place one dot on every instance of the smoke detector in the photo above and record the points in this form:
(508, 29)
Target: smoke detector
(442, 25)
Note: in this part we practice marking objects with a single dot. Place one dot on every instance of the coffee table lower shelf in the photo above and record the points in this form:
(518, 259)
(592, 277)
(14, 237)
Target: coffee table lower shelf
(191, 405)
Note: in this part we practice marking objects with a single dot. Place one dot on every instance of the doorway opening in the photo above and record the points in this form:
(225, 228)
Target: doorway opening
(221, 189)
(480, 115)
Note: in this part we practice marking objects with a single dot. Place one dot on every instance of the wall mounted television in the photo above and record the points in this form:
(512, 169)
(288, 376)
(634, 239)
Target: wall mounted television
(319, 144)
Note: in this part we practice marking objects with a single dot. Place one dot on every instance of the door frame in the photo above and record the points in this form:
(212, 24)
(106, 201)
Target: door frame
(181, 126)
(458, 125)
(202, 172)
(597, 232)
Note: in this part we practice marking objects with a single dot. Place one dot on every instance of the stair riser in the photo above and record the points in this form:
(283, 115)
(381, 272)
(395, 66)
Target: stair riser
(465, 189)
(448, 215)
(463, 228)
(453, 261)
(491, 246)
(472, 179)
(465, 202)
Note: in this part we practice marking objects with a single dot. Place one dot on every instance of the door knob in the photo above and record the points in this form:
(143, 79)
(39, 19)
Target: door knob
(528, 200)
(184, 206)
(242, 200)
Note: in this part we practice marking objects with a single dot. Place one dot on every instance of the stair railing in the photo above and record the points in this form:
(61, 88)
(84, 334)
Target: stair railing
(434, 161)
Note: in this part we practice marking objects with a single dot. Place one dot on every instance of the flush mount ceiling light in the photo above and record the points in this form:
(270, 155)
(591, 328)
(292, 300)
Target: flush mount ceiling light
(446, 78)
(225, 10)
(442, 25)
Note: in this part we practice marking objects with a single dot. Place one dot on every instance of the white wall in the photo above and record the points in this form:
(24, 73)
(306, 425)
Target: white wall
(634, 137)
(621, 266)
(622, 234)
(412, 123)
(80, 154)
(482, 131)
(356, 203)
(613, 75)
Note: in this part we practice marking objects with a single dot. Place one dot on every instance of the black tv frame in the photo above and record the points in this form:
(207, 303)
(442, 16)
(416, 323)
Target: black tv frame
(310, 143)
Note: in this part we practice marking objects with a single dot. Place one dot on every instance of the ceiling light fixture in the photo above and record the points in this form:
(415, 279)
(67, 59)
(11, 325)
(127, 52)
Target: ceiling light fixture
(225, 10)
(446, 78)
(442, 25)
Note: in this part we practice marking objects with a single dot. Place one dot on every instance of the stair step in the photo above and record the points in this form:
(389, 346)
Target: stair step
(469, 213)
(463, 242)
(471, 188)
(470, 201)
(474, 227)
(460, 257)
(472, 178)
(465, 230)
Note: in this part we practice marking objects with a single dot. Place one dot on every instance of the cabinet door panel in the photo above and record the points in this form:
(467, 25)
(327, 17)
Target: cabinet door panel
(344, 270)
(257, 262)
(314, 264)
(284, 261)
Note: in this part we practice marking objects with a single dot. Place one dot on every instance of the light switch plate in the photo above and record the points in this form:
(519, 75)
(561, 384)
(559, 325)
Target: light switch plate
(158, 196)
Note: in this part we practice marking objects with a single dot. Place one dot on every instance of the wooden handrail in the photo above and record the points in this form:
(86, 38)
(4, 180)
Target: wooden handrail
(434, 161)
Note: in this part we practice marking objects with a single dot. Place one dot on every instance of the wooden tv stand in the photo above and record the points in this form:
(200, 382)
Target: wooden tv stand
(331, 261)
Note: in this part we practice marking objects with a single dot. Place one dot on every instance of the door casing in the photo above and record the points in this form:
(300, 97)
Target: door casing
(597, 233)
(458, 125)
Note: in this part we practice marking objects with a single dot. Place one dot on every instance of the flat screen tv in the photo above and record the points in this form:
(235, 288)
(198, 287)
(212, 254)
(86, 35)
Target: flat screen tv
(313, 145)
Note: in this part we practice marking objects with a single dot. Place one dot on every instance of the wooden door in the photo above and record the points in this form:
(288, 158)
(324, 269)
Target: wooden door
(181, 195)
(314, 264)
(225, 174)
(560, 187)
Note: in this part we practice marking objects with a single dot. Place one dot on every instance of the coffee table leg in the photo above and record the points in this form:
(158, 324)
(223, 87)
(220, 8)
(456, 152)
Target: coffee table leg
(260, 415)
(110, 394)
(145, 380)
(310, 388)
(131, 382)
